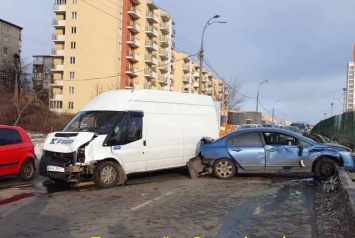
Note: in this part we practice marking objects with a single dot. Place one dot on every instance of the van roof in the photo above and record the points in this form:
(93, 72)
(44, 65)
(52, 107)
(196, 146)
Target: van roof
(117, 100)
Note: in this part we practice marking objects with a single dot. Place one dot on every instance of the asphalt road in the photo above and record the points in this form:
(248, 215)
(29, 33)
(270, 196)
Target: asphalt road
(164, 204)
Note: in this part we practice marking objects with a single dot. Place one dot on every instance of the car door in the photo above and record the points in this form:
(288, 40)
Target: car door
(11, 149)
(282, 151)
(247, 150)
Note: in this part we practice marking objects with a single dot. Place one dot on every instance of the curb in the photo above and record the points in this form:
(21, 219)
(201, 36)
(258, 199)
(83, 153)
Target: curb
(349, 187)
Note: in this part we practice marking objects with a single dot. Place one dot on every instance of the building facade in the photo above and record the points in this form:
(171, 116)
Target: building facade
(10, 51)
(42, 76)
(349, 93)
(122, 44)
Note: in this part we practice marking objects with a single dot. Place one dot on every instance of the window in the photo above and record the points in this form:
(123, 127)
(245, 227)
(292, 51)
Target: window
(4, 73)
(72, 45)
(5, 27)
(272, 138)
(74, 15)
(71, 90)
(246, 139)
(6, 39)
(71, 75)
(73, 29)
(71, 105)
(75, 2)
(5, 50)
(9, 137)
(72, 60)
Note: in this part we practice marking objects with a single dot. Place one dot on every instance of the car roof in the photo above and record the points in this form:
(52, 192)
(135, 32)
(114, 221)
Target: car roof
(11, 127)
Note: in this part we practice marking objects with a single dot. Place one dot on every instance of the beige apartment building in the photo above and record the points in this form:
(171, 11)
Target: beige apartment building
(10, 47)
(101, 46)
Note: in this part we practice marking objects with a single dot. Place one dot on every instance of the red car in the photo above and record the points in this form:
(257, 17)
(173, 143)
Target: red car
(16, 153)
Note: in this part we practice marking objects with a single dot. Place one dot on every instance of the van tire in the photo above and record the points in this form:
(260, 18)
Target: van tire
(224, 169)
(106, 174)
(324, 168)
(27, 171)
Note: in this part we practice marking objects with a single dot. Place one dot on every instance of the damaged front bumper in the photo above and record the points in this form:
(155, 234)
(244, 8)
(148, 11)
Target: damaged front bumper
(197, 167)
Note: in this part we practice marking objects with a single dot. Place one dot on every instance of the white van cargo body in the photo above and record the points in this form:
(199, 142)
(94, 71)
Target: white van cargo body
(128, 131)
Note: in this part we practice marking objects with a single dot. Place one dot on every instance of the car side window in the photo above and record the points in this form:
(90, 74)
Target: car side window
(9, 137)
(246, 139)
(273, 138)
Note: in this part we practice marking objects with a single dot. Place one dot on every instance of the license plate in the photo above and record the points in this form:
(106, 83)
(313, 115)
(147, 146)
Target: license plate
(55, 168)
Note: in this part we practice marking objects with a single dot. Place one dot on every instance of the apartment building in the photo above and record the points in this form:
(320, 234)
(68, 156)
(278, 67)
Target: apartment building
(349, 93)
(100, 46)
(42, 76)
(10, 47)
(86, 52)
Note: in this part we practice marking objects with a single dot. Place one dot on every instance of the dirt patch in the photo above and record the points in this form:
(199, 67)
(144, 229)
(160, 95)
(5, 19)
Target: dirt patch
(333, 212)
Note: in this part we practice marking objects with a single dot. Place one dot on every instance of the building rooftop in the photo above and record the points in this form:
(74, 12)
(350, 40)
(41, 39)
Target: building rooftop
(12, 24)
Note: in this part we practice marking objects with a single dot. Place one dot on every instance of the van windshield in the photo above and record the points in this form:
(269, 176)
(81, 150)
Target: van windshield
(99, 122)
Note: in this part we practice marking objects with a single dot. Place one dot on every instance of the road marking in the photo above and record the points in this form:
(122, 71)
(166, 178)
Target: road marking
(150, 201)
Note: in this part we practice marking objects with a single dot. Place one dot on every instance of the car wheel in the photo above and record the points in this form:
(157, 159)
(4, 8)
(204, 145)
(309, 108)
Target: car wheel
(106, 174)
(325, 168)
(224, 169)
(27, 170)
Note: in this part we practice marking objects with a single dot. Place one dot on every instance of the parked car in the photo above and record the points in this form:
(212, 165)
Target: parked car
(305, 130)
(294, 129)
(16, 153)
(272, 150)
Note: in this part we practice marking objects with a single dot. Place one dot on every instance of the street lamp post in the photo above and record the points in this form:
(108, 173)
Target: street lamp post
(273, 111)
(202, 50)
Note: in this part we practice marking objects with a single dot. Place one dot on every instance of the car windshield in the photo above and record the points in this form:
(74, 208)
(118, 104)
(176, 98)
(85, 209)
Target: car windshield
(100, 122)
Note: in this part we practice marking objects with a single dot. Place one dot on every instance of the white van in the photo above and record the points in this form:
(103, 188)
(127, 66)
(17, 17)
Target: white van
(128, 131)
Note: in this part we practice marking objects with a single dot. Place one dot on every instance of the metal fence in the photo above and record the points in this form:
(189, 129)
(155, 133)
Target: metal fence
(339, 128)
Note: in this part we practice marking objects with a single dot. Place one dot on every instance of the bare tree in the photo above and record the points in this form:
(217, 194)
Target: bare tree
(234, 98)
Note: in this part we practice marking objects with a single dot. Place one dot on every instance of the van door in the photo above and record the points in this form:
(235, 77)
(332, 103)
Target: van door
(128, 143)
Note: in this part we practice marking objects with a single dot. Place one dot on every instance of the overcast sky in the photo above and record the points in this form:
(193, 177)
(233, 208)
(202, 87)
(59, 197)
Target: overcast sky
(301, 47)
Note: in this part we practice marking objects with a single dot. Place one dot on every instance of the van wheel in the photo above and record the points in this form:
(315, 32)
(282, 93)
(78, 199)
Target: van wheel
(324, 168)
(224, 169)
(106, 174)
(27, 171)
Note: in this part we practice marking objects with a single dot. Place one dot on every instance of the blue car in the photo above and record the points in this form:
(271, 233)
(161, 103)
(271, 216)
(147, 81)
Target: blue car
(272, 150)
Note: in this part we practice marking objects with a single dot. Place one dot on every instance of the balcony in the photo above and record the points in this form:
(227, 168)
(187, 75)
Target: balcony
(165, 16)
(186, 68)
(136, 2)
(163, 80)
(185, 90)
(150, 45)
(148, 73)
(203, 80)
(151, 4)
(131, 71)
(151, 31)
(58, 53)
(165, 28)
(164, 41)
(185, 79)
(132, 41)
(58, 38)
(195, 84)
(133, 12)
(150, 60)
(134, 27)
(57, 83)
(57, 97)
(164, 68)
(197, 74)
(151, 17)
(58, 68)
(133, 57)
(58, 23)
(164, 54)
(59, 8)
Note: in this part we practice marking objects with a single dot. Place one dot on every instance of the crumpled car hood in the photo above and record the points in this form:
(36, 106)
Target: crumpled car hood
(66, 142)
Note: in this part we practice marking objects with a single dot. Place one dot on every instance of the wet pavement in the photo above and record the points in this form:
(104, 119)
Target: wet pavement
(164, 204)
